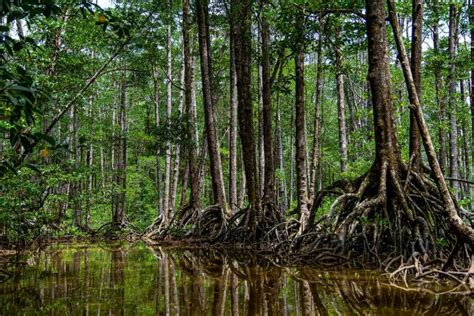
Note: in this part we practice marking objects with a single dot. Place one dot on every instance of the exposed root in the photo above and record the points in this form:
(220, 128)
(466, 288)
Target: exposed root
(391, 210)
(392, 218)
(210, 224)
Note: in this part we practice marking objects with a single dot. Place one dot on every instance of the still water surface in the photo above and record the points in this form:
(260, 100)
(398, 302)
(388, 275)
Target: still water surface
(133, 279)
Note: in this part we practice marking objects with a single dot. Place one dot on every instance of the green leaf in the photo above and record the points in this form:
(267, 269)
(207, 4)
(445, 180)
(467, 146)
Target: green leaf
(33, 167)
(46, 138)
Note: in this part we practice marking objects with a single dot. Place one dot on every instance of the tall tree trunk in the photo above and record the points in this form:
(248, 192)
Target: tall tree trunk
(113, 150)
(269, 179)
(233, 200)
(209, 111)
(464, 158)
(241, 27)
(90, 176)
(261, 146)
(471, 90)
(169, 109)
(190, 115)
(453, 156)
(119, 213)
(159, 200)
(416, 43)
(184, 185)
(300, 123)
(387, 150)
(341, 116)
(283, 197)
(75, 185)
(440, 100)
(177, 151)
(291, 194)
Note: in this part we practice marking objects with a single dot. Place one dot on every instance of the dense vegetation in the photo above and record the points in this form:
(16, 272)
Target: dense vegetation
(301, 124)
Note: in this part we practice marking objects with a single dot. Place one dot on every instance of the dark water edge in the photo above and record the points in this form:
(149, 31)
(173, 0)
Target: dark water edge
(133, 279)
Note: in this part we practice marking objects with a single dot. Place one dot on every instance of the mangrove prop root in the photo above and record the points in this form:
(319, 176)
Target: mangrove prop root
(392, 217)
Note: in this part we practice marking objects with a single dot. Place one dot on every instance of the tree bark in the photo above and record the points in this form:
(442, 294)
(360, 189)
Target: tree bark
(453, 134)
(74, 185)
(169, 109)
(283, 197)
(315, 174)
(241, 27)
(341, 116)
(119, 214)
(233, 200)
(300, 123)
(387, 149)
(190, 115)
(416, 46)
(269, 179)
(438, 87)
(471, 90)
(159, 200)
(177, 151)
(209, 115)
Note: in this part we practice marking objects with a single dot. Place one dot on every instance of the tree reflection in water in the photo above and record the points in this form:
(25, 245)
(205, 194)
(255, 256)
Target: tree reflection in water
(135, 280)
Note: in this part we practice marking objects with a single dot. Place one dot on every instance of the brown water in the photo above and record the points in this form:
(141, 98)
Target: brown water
(132, 279)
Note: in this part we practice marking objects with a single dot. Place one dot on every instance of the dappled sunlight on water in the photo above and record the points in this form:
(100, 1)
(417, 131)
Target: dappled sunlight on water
(132, 279)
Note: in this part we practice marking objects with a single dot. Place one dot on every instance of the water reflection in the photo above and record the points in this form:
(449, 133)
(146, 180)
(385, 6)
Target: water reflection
(135, 280)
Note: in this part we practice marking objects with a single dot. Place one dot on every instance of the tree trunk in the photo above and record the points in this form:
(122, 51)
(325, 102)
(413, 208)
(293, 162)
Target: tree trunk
(341, 116)
(416, 43)
(190, 115)
(159, 200)
(471, 90)
(119, 213)
(300, 123)
(90, 176)
(438, 87)
(184, 185)
(75, 185)
(169, 109)
(316, 150)
(177, 151)
(269, 180)
(464, 158)
(233, 172)
(387, 150)
(453, 134)
(261, 147)
(283, 197)
(209, 115)
(241, 27)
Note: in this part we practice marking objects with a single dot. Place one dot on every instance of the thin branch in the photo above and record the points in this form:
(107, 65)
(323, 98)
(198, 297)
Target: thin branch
(460, 180)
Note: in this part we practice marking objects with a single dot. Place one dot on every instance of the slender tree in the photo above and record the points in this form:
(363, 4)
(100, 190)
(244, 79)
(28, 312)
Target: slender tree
(440, 100)
(169, 109)
(190, 113)
(415, 63)
(209, 111)
(300, 123)
(341, 116)
(471, 90)
(241, 28)
(453, 134)
(269, 178)
(315, 175)
(233, 172)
